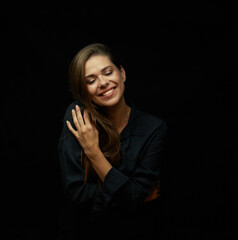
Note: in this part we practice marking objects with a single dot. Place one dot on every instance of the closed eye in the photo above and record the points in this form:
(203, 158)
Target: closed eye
(108, 73)
(91, 81)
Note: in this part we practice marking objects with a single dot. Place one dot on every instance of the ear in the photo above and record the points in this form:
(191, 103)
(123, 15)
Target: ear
(123, 73)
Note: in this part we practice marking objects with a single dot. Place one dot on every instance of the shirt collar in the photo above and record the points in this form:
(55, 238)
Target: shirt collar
(134, 126)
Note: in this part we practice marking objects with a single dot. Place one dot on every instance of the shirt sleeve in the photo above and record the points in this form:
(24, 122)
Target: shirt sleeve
(125, 190)
(72, 171)
(130, 191)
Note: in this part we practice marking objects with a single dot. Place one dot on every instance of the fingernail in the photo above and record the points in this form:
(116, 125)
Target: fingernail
(77, 107)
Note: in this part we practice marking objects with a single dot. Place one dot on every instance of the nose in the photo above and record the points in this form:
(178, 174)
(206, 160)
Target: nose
(103, 82)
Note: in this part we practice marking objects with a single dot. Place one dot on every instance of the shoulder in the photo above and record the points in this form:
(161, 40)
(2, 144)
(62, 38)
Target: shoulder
(68, 112)
(149, 120)
(152, 120)
(147, 124)
(67, 117)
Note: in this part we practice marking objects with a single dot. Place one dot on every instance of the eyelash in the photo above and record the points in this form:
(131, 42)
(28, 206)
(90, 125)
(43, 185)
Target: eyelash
(107, 74)
(91, 82)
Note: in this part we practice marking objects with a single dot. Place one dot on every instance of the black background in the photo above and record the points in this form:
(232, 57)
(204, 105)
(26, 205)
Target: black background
(181, 64)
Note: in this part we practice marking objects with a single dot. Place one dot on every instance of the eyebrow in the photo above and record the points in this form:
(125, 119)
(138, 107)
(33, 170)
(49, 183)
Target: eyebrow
(102, 70)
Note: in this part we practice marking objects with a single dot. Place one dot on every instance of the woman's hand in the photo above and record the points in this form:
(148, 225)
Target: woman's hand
(86, 132)
(155, 193)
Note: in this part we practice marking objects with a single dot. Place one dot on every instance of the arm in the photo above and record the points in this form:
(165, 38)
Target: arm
(100, 164)
(132, 190)
(87, 136)
(72, 171)
(125, 190)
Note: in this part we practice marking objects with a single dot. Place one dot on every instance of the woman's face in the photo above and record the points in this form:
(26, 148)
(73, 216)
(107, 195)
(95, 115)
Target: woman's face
(105, 82)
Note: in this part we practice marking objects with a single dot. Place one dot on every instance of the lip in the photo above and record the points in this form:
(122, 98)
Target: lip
(109, 95)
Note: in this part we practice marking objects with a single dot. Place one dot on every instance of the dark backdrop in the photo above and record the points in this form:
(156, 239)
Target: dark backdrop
(181, 64)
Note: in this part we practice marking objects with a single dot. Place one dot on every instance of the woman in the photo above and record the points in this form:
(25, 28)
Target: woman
(110, 153)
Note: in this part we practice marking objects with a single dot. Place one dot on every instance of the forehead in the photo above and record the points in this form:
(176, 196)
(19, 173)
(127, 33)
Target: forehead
(96, 63)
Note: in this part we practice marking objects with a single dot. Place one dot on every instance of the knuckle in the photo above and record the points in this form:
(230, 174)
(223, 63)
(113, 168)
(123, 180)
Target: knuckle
(89, 128)
(78, 112)
(84, 131)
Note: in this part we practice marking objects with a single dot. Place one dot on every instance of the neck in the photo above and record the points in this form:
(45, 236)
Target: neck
(118, 113)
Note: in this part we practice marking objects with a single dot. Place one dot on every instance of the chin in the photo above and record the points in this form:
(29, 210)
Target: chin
(108, 103)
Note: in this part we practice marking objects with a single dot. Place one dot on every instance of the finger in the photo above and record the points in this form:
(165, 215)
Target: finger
(79, 116)
(75, 120)
(86, 118)
(71, 129)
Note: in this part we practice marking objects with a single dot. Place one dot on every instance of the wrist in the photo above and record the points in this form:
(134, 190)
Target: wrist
(100, 164)
(94, 155)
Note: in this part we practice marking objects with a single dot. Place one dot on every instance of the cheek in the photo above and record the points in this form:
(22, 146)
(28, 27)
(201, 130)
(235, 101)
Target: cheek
(92, 90)
(119, 79)
(122, 87)
(122, 83)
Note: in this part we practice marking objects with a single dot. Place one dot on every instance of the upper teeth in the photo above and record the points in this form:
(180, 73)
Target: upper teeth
(108, 92)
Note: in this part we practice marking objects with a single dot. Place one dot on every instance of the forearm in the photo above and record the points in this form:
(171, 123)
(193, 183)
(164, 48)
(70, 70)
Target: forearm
(100, 164)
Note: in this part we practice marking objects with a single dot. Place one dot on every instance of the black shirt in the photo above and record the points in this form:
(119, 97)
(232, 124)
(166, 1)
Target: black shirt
(127, 185)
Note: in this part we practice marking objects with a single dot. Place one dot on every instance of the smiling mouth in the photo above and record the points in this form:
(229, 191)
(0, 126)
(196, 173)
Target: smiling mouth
(108, 92)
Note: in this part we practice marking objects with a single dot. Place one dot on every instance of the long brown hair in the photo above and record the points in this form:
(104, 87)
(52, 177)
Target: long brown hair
(109, 139)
